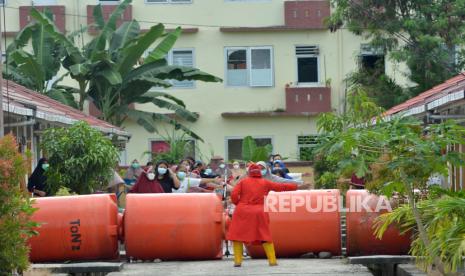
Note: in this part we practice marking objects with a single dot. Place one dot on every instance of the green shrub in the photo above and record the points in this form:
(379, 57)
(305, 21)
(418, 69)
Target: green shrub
(15, 209)
(252, 152)
(80, 158)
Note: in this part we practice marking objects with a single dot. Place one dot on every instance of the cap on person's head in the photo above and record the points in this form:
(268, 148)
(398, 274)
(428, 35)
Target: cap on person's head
(254, 170)
(217, 157)
(262, 163)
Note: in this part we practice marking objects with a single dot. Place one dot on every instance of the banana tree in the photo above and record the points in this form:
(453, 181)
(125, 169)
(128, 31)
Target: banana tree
(110, 72)
(38, 69)
(398, 155)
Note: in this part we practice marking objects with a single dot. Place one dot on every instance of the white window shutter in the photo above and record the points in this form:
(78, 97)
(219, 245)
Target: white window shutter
(183, 58)
(261, 69)
(156, 1)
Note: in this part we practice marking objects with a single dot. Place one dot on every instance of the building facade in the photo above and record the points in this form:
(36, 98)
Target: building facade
(280, 67)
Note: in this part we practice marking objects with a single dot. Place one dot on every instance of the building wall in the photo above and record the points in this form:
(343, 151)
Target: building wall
(338, 52)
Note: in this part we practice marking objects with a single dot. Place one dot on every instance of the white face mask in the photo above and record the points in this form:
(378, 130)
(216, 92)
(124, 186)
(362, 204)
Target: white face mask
(236, 167)
(151, 176)
(222, 166)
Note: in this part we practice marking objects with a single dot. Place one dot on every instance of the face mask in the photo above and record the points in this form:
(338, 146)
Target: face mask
(222, 166)
(135, 165)
(45, 166)
(236, 167)
(263, 172)
(162, 171)
(208, 171)
(181, 175)
(151, 176)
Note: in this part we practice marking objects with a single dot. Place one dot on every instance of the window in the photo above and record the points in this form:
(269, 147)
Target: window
(44, 2)
(160, 146)
(306, 145)
(307, 64)
(234, 146)
(168, 1)
(372, 59)
(109, 2)
(2, 2)
(182, 58)
(249, 66)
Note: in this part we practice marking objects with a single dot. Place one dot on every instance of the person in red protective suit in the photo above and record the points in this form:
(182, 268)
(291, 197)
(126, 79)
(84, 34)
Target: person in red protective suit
(250, 223)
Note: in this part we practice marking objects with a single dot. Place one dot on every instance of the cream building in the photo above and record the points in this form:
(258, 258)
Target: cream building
(280, 67)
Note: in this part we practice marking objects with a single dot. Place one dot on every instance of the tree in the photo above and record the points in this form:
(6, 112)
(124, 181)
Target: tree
(15, 209)
(254, 153)
(443, 215)
(380, 87)
(404, 153)
(37, 70)
(80, 158)
(423, 34)
(109, 70)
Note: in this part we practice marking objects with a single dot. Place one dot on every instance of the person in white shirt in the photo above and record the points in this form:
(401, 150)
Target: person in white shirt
(189, 184)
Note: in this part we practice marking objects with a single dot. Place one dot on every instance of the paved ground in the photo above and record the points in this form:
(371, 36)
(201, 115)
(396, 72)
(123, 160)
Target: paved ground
(292, 267)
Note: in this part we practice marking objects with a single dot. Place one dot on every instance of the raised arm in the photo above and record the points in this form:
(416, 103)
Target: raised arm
(281, 187)
(210, 182)
(279, 179)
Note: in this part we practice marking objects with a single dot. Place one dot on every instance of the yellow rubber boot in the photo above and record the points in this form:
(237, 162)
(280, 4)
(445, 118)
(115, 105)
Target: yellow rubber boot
(238, 251)
(270, 254)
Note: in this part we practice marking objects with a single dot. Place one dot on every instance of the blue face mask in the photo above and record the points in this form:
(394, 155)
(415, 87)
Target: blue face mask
(208, 171)
(263, 172)
(135, 165)
(181, 175)
(162, 171)
(45, 166)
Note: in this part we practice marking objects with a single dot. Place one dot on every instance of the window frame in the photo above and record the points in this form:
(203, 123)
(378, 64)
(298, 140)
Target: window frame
(168, 2)
(227, 138)
(47, 3)
(169, 59)
(299, 146)
(109, 2)
(248, 53)
(163, 140)
(170, 62)
(318, 60)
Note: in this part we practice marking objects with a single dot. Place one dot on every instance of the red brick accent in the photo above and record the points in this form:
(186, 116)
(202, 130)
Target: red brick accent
(308, 99)
(107, 10)
(58, 14)
(308, 14)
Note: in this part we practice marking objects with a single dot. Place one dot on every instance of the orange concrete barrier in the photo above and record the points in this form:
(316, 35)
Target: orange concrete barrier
(173, 226)
(312, 225)
(75, 228)
(360, 238)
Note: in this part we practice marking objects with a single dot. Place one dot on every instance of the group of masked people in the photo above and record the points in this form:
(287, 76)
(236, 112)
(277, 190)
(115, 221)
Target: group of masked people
(248, 189)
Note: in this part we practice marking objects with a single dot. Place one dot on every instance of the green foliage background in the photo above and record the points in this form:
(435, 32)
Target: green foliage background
(15, 209)
(80, 158)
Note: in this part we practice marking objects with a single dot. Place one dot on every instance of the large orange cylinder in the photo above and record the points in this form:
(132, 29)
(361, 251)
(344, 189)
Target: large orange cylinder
(362, 209)
(312, 225)
(173, 226)
(75, 228)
